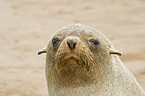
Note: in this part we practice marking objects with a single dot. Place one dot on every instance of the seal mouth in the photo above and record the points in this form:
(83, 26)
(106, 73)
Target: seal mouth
(72, 57)
(72, 60)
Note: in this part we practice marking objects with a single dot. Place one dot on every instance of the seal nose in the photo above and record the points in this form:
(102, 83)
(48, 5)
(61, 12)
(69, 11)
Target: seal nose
(72, 43)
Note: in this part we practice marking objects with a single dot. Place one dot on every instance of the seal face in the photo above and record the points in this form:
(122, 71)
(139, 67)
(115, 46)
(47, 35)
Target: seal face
(81, 61)
(72, 62)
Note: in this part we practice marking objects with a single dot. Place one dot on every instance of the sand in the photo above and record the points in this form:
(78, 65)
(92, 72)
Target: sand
(27, 25)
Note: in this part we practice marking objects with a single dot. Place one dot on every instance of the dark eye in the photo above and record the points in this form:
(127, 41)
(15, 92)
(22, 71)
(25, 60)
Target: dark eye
(94, 42)
(55, 41)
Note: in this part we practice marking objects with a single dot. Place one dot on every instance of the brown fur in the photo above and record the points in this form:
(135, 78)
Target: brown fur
(87, 70)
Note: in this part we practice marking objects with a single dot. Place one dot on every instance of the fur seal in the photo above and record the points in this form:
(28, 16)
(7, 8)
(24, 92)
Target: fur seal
(81, 61)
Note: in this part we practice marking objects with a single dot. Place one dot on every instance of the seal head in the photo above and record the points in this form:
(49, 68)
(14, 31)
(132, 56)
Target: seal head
(81, 61)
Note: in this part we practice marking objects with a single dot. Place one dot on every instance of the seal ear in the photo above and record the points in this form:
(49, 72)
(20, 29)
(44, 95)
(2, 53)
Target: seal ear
(113, 51)
(42, 51)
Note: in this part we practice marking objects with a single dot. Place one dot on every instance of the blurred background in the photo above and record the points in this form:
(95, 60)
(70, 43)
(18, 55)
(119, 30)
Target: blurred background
(27, 25)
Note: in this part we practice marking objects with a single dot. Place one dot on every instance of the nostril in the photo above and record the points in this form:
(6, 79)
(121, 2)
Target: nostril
(72, 43)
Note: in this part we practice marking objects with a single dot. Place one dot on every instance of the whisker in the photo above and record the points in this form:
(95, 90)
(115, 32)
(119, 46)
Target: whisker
(52, 82)
(54, 78)
(99, 85)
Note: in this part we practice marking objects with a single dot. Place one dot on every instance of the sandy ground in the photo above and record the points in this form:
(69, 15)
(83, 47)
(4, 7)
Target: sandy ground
(26, 26)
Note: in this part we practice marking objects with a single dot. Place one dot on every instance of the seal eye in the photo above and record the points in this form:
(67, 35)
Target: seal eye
(55, 41)
(94, 42)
